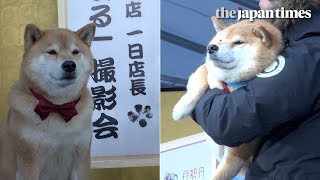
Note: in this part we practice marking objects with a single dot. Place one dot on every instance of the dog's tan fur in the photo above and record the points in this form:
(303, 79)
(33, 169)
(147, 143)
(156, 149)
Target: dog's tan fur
(32, 149)
(263, 42)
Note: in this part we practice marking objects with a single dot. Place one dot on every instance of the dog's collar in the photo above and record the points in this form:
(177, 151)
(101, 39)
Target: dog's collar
(236, 85)
(45, 107)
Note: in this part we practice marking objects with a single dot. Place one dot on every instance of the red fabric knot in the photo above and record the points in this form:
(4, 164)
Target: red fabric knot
(45, 107)
(225, 87)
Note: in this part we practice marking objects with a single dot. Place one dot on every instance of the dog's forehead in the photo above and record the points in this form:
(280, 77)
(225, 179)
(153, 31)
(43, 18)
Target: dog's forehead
(238, 31)
(61, 37)
(236, 37)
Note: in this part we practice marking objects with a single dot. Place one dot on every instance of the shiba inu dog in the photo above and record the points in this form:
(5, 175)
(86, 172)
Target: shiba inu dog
(235, 55)
(47, 134)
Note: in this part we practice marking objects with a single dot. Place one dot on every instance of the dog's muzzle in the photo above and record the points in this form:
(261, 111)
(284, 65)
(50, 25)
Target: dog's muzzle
(69, 66)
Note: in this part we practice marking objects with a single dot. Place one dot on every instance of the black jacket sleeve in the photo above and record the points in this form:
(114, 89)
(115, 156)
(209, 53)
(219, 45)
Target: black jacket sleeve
(265, 103)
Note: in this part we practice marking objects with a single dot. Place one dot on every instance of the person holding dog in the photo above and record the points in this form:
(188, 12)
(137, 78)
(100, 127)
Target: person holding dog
(282, 105)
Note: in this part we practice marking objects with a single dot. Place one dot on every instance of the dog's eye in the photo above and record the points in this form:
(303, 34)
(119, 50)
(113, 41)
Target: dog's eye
(238, 42)
(52, 52)
(74, 52)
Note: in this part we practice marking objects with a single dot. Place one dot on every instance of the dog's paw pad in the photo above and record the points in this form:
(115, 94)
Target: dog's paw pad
(132, 116)
(143, 123)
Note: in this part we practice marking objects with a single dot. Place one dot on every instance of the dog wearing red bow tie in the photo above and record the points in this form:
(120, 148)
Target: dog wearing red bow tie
(47, 135)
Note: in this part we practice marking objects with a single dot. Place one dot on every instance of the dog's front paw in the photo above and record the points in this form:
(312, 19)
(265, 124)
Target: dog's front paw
(183, 108)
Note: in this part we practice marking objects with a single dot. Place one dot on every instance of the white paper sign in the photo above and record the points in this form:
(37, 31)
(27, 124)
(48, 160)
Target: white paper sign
(126, 79)
(190, 158)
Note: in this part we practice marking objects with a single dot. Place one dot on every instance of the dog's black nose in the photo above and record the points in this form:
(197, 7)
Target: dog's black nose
(212, 48)
(69, 66)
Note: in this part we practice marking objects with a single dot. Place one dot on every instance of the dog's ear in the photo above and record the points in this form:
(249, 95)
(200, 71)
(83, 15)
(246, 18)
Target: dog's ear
(218, 24)
(87, 33)
(262, 33)
(31, 35)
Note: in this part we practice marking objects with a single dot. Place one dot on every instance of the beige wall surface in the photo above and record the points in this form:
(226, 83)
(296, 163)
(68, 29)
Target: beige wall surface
(170, 129)
(14, 16)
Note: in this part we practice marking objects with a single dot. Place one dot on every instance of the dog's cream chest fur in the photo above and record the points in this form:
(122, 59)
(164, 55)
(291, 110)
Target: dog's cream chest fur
(56, 140)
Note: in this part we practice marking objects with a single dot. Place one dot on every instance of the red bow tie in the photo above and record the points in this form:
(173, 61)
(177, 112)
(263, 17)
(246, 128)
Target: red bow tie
(45, 107)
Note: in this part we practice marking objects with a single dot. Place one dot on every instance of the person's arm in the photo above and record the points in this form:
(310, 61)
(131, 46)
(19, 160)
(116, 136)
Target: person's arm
(266, 103)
